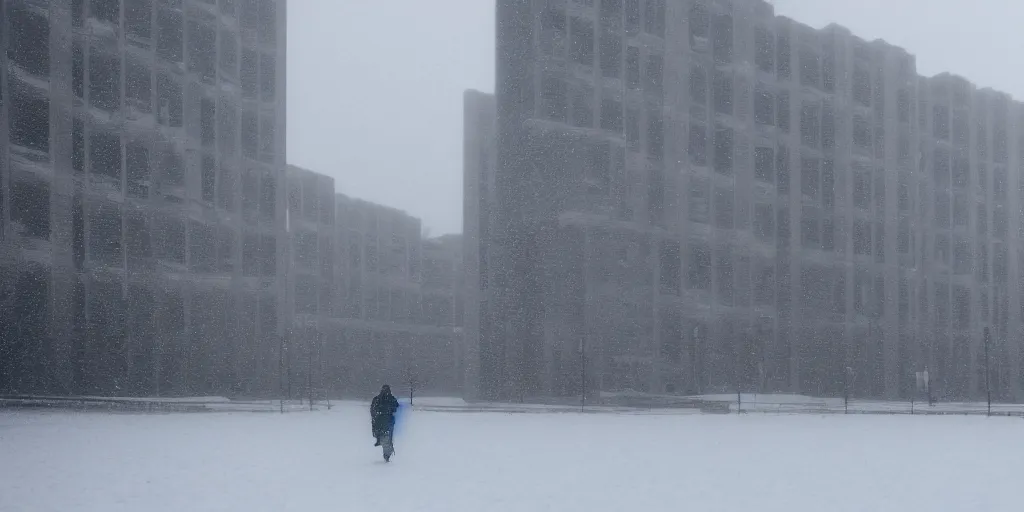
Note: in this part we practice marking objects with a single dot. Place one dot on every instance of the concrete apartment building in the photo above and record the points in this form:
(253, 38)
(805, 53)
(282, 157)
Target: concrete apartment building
(382, 331)
(141, 201)
(699, 196)
(309, 276)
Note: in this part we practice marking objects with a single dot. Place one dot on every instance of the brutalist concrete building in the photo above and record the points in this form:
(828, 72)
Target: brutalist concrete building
(141, 196)
(699, 196)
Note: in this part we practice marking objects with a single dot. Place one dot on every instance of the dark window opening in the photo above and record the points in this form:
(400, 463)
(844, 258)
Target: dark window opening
(169, 100)
(228, 132)
(721, 44)
(581, 46)
(78, 70)
(671, 268)
(654, 17)
(764, 164)
(207, 120)
(782, 170)
(810, 125)
(169, 38)
(202, 245)
(723, 93)
(553, 99)
(137, 163)
(29, 121)
(764, 105)
(28, 43)
(785, 56)
(105, 155)
(106, 10)
(810, 69)
(138, 18)
(633, 67)
(104, 81)
(208, 178)
(655, 134)
(611, 115)
(782, 111)
(30, 207)
(172, 169)
(700, 199)
(582, 106)
(764, 222)
(78, 145)
(723, 150)
(699, 274)
(611, 55)
(268, 132)
(698, 84)
(724, 208)
(226, 189)
(202, 51)
(268, 77)
(228, 54)
(765, 48)
(268, 197)
(655, 72)
(138, 85)
(698, 144)
(267, 29)
(249, 74)
(828, 184)
(861, 87)
(105, 241)
(632, 17)
(250, 134)
(171, 241)
(810, 176)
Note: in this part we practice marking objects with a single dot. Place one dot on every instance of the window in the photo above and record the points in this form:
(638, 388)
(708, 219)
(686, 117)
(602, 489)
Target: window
(169, 101)
(861, 86)
(723, 150)
(611, 115)
(764, 164)
(725, 279)
(670, 275)
(202, 51)
(138, 86)
(828, 73)
(698, 145)
(29, 120)
(723, 93)
(962, 258)
(861, 237)
(960, 210)
(169, 38)
(782, 111)
(77, 146)
(655, 72)
(582, 109)
(29, 39)
(207, 120)
(137, 163)
(721, 43)
(268, 77)
(553, 99)
(810, 125)
(809, 176)
(765, 48)
(104, 81)
(764, 222)
(785, 56)
(764, 105)
(942, 208)
(655, 134)
(699, 274)
(941, 167)
(700, 199)
(698, 84)
(903, 236)
(611, 55)
(137, 14)
(982, 219)
(581, 49)
(940, 121)
(961, 170)
(861, 132)
(828, 184)
(810, 71)
(828, 235)
(249, 74)
(809, 234)
(632, 17)
(880, 189)
(903, 105)
(903, 194)
(105, 155)
(828, 127)
(654, 17)
(861, 189)
(879, 242)
(209, 179)
(782, 169)
(633, 128)
(724, 216)
(633, 67)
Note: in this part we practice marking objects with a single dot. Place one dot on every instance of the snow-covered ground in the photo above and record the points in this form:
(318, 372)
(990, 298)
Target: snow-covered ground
(488, 461)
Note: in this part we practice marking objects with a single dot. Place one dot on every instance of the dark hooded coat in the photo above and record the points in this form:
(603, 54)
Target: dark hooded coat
(382, 412)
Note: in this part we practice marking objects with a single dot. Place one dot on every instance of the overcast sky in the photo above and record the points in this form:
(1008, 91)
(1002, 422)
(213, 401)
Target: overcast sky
(375, 86)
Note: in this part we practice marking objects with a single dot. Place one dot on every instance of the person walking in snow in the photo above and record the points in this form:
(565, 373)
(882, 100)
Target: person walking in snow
(382, 417)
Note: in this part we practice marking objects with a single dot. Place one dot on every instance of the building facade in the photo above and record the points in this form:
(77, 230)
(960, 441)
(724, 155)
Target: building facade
(141, 196)
(700, 196)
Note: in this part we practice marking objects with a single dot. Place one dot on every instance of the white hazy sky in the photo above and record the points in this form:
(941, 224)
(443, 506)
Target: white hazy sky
(375, 86)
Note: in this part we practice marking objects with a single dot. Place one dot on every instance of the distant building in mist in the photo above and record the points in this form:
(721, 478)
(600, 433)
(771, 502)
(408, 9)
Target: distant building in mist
(704, 196)
(142, 160)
